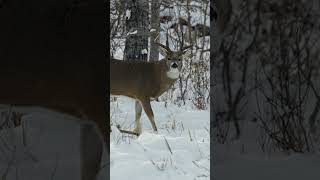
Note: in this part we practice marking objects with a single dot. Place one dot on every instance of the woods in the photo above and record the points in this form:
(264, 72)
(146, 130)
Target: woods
(266, 71)
(181, 23)
(160, 53)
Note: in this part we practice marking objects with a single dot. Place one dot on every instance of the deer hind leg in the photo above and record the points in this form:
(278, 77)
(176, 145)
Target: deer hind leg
(147, 108)
(138, 108)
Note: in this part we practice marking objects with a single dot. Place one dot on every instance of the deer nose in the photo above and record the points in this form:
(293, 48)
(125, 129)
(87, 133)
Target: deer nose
(174, 65)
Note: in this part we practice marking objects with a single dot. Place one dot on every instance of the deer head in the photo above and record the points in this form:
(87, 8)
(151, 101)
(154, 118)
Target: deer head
(173, 60)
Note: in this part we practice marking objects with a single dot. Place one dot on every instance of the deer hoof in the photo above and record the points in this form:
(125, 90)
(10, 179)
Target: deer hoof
(137, 131)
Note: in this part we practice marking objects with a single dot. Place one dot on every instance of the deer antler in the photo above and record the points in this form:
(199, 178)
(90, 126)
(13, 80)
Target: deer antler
(169, 50)
(163, 46)
(182, 50)
(186, 47)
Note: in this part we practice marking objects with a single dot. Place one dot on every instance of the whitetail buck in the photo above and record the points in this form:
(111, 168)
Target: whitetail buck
(144, 81)
(52, 55)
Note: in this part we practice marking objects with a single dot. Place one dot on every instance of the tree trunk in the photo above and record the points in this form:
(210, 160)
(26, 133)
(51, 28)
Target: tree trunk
(155, 30)
(137, 21)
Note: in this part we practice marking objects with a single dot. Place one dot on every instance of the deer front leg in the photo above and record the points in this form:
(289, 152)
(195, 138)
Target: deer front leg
(147, 108)
(138, 108)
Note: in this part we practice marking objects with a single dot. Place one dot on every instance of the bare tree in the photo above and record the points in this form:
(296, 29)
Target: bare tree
(137, 23)
(155, 29)
(266, 61)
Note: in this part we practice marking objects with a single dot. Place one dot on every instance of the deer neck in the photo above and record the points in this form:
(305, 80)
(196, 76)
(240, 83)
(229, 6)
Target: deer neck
(165, 80)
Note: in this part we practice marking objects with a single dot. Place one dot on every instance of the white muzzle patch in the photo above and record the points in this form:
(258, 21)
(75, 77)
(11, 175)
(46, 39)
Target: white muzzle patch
(173, 73)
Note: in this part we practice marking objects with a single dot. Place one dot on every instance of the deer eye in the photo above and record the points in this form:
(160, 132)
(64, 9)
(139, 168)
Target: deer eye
(169, 59)
(179, 59)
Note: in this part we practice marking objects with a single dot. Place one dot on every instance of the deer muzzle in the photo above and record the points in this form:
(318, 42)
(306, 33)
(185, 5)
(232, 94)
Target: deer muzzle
(174, 65)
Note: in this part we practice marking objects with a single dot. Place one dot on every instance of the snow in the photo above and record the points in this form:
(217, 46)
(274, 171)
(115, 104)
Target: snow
(128, 14)
(134, 32)
(51, 150)
(148, 156)
(245, 159)
(144, 51)
(251, 168)
(152, 30)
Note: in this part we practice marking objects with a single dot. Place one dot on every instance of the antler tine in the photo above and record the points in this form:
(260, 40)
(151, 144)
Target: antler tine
(165, 47)
(186, 47)
(182, 50)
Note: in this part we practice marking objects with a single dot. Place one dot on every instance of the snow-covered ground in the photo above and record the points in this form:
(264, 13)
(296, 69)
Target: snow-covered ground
(179, 151)
(243, 159)
(51, 148)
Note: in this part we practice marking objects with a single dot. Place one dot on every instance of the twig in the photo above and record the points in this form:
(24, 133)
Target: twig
(168, 146)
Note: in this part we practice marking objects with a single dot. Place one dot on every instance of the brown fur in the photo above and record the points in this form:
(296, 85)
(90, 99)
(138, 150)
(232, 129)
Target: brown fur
(143, 76)
(142, 81)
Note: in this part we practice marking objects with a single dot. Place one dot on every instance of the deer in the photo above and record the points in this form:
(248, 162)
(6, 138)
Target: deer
(53, 58)
(145, 81)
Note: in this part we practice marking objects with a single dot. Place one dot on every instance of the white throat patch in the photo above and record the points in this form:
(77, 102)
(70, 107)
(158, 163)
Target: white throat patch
(173, 73)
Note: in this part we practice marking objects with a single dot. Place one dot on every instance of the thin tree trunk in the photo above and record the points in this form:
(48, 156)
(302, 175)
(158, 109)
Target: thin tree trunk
(137, 21)
(155, 30)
